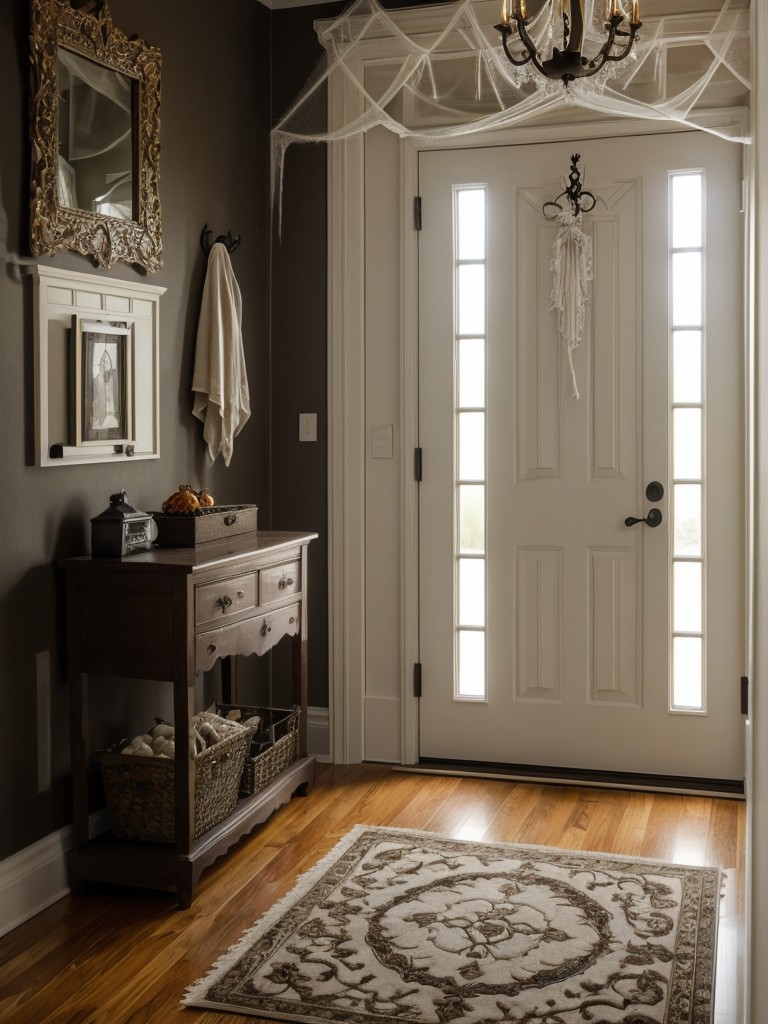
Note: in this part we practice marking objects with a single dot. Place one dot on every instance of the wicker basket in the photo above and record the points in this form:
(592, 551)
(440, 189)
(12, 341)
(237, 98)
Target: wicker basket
(140, 790)
(274, 745)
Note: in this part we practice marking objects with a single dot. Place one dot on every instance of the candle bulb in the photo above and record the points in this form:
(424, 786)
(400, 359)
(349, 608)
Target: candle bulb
(523, 10)
(505, 12)
(635, 12)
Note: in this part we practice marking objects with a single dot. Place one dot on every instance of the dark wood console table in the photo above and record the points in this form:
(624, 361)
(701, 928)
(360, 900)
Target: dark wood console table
(164, 615)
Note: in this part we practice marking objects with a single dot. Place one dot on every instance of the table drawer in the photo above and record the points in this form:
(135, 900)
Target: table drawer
(280, 581)
(255, 635)
(225, 599)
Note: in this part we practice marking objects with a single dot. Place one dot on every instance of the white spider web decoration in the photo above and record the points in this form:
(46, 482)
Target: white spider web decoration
(450, 77)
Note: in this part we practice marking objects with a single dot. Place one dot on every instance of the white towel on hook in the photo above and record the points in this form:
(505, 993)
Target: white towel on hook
(219, 381)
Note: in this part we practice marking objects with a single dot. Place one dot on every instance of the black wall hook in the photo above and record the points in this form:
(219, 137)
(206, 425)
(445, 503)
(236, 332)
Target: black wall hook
(229, 240)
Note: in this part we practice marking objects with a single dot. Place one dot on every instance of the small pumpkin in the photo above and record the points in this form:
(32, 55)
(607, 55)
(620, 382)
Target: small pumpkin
(205, 499)
(182, 500)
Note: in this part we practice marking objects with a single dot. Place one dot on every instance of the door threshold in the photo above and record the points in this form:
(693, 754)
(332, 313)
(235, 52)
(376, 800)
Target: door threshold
(678, 784)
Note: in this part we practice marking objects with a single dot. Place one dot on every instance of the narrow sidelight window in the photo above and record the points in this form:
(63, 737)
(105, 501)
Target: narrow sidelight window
(687, 430)
(470, 258)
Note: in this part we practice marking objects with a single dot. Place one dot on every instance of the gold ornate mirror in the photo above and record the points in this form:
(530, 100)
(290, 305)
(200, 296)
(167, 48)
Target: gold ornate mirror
(95, 135)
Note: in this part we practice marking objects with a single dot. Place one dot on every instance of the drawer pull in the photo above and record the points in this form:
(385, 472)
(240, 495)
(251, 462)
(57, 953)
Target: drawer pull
(291, 620)
(285, 581)
(230, 520)
(240, 594)
(211, 648)
(224, 603)
(265, 628)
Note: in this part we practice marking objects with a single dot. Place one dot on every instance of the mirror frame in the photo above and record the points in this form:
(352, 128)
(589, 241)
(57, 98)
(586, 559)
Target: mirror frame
(54, 24)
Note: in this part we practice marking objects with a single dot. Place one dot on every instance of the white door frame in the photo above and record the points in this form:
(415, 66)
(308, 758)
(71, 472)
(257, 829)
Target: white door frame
(347, 423)
(346, 452)
(757, 392)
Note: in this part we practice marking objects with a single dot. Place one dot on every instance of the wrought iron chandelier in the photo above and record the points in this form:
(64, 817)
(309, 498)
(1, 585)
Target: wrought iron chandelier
(569, 63)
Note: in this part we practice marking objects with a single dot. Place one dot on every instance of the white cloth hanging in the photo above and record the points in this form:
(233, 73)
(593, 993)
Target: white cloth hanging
(219, 381)
(571, 274)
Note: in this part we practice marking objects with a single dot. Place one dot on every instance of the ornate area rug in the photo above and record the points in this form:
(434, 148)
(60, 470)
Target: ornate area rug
(401, 925)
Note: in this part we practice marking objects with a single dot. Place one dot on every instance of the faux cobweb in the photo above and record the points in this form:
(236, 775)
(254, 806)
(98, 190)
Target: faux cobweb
(439, 72)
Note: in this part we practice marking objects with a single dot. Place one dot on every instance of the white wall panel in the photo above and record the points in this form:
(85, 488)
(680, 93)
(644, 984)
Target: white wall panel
(615, 670)
(539, 640)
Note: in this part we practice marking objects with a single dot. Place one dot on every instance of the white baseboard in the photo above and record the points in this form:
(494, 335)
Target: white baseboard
(33, 879)
(319, 733)
(36, 877)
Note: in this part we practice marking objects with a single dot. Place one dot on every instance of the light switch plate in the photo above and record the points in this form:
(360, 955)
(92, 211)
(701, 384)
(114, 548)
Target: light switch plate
(307, 426)
(381, 441)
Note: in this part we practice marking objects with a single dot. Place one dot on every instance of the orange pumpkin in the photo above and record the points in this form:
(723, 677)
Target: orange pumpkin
(184, 500)
(205, 499)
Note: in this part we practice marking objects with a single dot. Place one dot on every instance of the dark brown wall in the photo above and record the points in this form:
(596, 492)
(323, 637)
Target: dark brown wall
(215, 115)
(299, 326)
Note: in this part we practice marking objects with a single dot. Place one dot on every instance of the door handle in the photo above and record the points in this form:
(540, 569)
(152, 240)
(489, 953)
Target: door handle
(653, 518)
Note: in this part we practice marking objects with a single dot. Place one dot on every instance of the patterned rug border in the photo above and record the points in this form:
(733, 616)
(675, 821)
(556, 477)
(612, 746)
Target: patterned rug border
(195, 994)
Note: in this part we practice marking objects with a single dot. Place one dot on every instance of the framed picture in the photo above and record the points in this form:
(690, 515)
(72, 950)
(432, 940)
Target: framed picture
(103, 382)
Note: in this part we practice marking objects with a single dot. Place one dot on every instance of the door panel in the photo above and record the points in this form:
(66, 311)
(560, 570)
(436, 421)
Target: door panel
(576, 629)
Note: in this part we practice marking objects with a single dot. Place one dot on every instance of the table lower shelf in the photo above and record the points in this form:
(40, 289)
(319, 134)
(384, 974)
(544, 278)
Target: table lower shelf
(159, 866)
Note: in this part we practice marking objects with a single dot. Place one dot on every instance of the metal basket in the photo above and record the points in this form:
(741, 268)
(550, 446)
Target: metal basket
(274, 744)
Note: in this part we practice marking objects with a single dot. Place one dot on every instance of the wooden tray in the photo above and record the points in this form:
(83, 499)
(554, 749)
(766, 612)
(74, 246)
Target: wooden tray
(215, 523)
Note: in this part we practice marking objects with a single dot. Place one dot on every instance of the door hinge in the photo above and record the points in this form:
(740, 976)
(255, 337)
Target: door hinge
(417, 464)
(417, 679)
(417, 212)
(745, 695)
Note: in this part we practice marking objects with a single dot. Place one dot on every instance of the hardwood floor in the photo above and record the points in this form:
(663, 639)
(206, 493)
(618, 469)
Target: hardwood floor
(125, 957)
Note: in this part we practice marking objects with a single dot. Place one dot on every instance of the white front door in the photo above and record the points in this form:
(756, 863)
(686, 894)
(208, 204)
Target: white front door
(552, 633)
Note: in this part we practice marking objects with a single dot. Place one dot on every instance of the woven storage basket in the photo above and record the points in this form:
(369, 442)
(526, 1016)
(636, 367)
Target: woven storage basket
(279, 728)
(140, 790)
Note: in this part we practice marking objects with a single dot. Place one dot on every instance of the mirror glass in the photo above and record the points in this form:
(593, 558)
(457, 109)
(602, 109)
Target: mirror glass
(95, 165)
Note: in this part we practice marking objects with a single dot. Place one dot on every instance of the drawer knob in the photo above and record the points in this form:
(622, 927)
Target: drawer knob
(265, 628)
(292, 620)
(224, 603)
(230, 520)
(240, 594)
(211, 648)
(285, 581)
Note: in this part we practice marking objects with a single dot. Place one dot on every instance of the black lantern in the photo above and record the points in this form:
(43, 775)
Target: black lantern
(121, 529)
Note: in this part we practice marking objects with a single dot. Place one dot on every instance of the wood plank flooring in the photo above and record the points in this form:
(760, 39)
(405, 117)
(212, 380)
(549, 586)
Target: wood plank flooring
(121, 956)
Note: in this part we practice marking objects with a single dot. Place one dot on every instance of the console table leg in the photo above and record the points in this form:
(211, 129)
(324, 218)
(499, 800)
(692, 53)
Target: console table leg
(184, 885)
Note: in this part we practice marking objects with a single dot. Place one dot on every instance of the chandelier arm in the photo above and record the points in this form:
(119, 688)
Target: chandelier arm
(522, 31)
(605, 55)
(625, 52)
(601, 56)
(506, 31)
(527, 42)
(525, 39)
